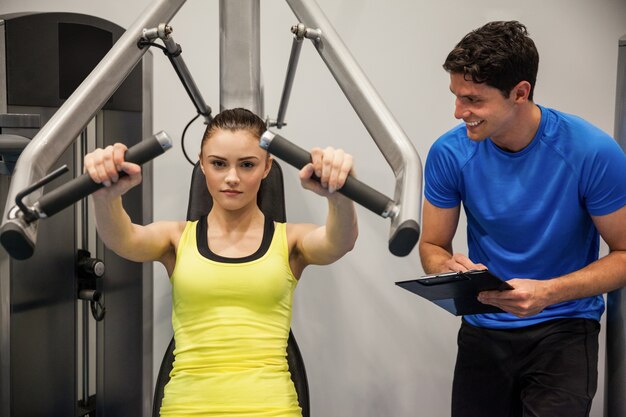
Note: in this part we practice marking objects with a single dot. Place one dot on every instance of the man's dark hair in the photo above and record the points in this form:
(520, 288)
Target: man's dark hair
(499, 54)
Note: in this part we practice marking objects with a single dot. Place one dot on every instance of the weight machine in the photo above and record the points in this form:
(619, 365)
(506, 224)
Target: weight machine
(82, 110)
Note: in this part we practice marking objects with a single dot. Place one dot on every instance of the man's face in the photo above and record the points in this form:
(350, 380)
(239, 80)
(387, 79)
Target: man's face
(485, 111)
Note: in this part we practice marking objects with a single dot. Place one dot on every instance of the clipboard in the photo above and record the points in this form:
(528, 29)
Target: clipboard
(457, 292)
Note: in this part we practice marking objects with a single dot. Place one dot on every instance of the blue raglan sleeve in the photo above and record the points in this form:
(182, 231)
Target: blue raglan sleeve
(442, 176)
(603, 178)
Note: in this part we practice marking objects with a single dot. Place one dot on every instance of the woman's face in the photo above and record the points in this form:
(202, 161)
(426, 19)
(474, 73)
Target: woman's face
(234, 165)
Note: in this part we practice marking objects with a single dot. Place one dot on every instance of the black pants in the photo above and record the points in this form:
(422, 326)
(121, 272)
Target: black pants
(545, 370)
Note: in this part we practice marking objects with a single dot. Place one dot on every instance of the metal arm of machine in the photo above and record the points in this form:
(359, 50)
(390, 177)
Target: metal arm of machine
(300, 32)
(377, 119)
(72, 117)
(173, 52)
(354, 189)
(67, 194)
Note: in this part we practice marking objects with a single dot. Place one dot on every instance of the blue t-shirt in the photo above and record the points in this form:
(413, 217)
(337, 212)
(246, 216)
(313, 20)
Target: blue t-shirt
(528, 212)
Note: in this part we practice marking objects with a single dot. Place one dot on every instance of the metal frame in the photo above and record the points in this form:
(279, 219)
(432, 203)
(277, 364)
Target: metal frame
(240, 59)
(9, 278)
(392, 141)
(615, 367)
(72, 117)
(148, 268)
(240, 85)
(5, 264)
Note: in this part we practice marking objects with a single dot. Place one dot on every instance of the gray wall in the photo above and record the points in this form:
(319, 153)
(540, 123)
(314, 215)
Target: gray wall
(371, 349)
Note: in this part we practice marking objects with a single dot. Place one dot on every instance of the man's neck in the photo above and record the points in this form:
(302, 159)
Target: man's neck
(523, 130)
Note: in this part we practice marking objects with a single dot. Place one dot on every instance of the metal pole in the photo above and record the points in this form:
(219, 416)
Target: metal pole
(85, 304)
(615, 368)
(174, 50)
(296, 47)
(5, 264)
(240, 62)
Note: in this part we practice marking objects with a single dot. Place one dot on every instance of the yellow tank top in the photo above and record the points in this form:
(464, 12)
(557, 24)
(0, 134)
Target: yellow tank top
(231, 320)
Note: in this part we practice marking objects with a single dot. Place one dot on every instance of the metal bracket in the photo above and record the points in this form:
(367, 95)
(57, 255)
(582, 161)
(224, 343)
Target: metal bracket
(88, 270)
(173, 52)
(301, 32)
(32, 214)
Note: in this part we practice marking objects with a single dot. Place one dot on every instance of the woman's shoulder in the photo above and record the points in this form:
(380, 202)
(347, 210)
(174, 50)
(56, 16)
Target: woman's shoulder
(298, 229)
(178, 225)
(172, 228)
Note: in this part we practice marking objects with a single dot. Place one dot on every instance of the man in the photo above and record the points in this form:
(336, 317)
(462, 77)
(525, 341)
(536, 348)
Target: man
(538, 187)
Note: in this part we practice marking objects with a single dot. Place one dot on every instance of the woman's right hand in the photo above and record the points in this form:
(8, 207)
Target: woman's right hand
(104, 165)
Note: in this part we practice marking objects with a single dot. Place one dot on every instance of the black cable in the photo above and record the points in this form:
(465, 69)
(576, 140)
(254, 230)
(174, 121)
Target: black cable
(182, 139)
(142, 43)
(97, 310)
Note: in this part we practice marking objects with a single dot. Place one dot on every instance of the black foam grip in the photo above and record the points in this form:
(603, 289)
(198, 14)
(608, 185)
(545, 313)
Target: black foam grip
(80, 187)
(354, 189)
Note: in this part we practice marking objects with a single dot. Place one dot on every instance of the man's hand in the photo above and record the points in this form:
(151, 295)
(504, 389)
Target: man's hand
(527, 298)
(461, 263)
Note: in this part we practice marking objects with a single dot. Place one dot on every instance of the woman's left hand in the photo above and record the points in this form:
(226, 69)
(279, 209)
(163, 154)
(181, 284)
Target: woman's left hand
(331, 166)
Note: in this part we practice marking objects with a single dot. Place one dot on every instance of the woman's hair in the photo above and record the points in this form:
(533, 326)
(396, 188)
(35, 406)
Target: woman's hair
(499, 54)
(233, 120)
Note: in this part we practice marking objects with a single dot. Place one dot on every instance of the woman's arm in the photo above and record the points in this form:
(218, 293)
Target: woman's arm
(322, 245)
(153, 242)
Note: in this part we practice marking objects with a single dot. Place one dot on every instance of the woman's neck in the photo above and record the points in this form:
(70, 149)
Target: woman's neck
(235, 221)
(235, 234)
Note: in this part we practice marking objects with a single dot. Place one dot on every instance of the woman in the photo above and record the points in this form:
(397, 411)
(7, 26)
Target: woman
(233, 272)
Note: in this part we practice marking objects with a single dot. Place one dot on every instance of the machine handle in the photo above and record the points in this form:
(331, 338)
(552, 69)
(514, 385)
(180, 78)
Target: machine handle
(17, 236)
(80, 187)
(354, 189)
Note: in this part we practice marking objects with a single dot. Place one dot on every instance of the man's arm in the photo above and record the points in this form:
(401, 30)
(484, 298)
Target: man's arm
(438, 228)
(606, 274)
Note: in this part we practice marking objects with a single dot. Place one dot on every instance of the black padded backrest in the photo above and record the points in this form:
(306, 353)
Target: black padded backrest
(272, 203)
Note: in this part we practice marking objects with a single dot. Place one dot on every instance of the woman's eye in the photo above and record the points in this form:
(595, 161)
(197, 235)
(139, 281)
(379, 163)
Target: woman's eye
(218, 164)
(247, 164)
